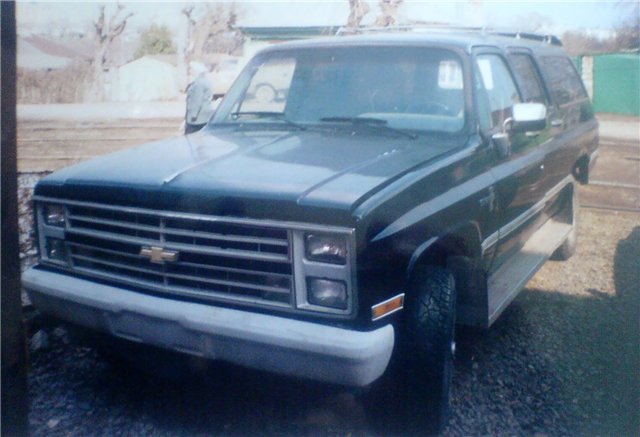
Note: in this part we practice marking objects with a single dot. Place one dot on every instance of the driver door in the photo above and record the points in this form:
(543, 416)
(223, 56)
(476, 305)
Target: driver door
(518, 175)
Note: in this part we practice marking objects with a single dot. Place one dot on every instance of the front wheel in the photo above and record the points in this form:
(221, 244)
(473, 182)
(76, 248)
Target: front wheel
(429, 349)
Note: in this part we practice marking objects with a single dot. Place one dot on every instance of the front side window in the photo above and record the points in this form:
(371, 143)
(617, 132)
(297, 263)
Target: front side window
(417, 89)
(497, 90)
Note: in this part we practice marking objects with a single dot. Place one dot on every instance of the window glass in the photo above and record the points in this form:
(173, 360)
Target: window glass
(496, 90)
(528, 79)
(407, 88)
(484, 111)
(564, 82)
(269, 86)
(450, 75)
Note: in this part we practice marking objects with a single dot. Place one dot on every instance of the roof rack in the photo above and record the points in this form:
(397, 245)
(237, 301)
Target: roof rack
(443, 27)
(549, 39)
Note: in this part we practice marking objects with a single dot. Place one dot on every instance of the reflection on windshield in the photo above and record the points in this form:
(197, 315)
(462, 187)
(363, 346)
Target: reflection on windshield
(417, 89)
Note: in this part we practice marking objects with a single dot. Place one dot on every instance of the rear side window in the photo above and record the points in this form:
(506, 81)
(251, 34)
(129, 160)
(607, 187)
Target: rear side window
(528, 78)
(564, 82)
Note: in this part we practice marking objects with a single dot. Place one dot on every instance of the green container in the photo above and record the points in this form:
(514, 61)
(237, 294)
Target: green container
(616, 83)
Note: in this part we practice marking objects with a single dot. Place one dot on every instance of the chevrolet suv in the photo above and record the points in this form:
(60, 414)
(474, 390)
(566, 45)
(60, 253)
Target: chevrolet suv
(337, 228)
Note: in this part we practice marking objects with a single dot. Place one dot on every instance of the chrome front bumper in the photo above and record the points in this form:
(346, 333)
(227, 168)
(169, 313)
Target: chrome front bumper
(258, 341)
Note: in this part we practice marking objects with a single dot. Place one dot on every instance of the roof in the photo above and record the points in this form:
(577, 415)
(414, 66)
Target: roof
(465, 40)
(52, 48)
(149, 60)
(287, 33)
(36, 52)
(171, 59)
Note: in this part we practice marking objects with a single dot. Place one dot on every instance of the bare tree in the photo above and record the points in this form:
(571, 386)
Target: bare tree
(578, 42)
(628, 28)
(357, 10)
(107, 28)
(389, 10)
(212, 31)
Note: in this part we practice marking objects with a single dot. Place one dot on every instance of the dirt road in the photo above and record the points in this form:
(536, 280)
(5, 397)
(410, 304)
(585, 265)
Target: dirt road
(44, 146)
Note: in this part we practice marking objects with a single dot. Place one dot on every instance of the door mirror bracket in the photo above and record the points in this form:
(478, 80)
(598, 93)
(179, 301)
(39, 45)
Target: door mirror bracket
(502, 144)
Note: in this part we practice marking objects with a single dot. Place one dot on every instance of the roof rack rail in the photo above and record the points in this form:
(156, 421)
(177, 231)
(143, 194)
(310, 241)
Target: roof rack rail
(546, 38)
(549, 39)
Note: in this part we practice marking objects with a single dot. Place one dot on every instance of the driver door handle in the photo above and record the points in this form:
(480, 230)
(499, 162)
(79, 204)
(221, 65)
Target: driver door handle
(489, 201)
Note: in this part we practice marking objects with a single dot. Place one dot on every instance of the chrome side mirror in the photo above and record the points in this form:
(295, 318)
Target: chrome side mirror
(528, 117)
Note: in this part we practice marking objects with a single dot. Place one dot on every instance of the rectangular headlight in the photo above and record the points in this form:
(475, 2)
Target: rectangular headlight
(56, 249)
(327, 293)
(326, 248)
(324, 261)
(54, 215)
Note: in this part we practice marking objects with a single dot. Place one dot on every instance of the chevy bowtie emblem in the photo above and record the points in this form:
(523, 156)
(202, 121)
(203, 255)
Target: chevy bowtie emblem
(159, 255)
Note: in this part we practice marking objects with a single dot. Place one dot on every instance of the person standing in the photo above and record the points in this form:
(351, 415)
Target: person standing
(199, 99)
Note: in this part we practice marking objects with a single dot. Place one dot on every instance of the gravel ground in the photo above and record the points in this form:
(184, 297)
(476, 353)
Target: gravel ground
(562, 360)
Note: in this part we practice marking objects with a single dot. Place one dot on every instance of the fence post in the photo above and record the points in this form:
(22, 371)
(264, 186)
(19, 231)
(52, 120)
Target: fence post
(14, 363)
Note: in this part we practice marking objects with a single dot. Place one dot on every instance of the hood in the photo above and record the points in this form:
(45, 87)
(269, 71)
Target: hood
(328, 168)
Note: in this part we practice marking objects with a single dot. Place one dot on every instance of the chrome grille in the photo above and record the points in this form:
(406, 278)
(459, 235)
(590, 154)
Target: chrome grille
(218, 258)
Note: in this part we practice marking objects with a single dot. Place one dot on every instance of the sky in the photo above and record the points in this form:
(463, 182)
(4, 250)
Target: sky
(557, 16)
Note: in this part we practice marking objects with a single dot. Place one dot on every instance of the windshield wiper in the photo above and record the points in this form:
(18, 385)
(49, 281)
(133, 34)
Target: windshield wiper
(369, 121)
(268, 114)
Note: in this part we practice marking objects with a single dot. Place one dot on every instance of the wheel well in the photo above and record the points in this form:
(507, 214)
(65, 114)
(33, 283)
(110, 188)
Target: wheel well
(460, 253)
(464, 242)
(580, 170)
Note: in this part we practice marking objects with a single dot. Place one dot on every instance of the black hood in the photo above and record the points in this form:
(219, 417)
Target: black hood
(334, 169)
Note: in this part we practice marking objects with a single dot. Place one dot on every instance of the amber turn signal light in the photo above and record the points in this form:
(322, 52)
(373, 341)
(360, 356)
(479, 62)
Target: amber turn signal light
(387, 307)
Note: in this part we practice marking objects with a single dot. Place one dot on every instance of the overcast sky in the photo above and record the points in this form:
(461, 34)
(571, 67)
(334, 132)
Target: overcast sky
(556, 15)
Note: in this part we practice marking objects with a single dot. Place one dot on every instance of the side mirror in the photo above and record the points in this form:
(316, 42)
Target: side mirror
(528, 117)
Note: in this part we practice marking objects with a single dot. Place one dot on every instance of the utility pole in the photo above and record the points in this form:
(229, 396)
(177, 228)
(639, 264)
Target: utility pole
(14, 358)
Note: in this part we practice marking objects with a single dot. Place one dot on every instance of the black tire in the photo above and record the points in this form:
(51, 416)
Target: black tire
(429, 349)
(570, 244)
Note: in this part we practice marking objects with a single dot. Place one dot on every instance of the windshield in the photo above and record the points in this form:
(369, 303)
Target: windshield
(414, 88)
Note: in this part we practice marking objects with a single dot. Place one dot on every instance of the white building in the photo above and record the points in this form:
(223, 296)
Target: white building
(149, 78)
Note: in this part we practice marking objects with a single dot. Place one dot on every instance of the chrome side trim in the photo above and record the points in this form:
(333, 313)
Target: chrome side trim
(490, 241)
(373, 308)
(507, 229)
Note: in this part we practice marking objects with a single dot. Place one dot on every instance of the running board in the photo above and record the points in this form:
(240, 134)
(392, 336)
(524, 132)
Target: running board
(506, 282)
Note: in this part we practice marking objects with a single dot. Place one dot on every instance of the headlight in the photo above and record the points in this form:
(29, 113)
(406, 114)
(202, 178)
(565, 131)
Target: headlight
(56, 249)
(326, 248)
(324, 270)
(327, 293)
(54, 215)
